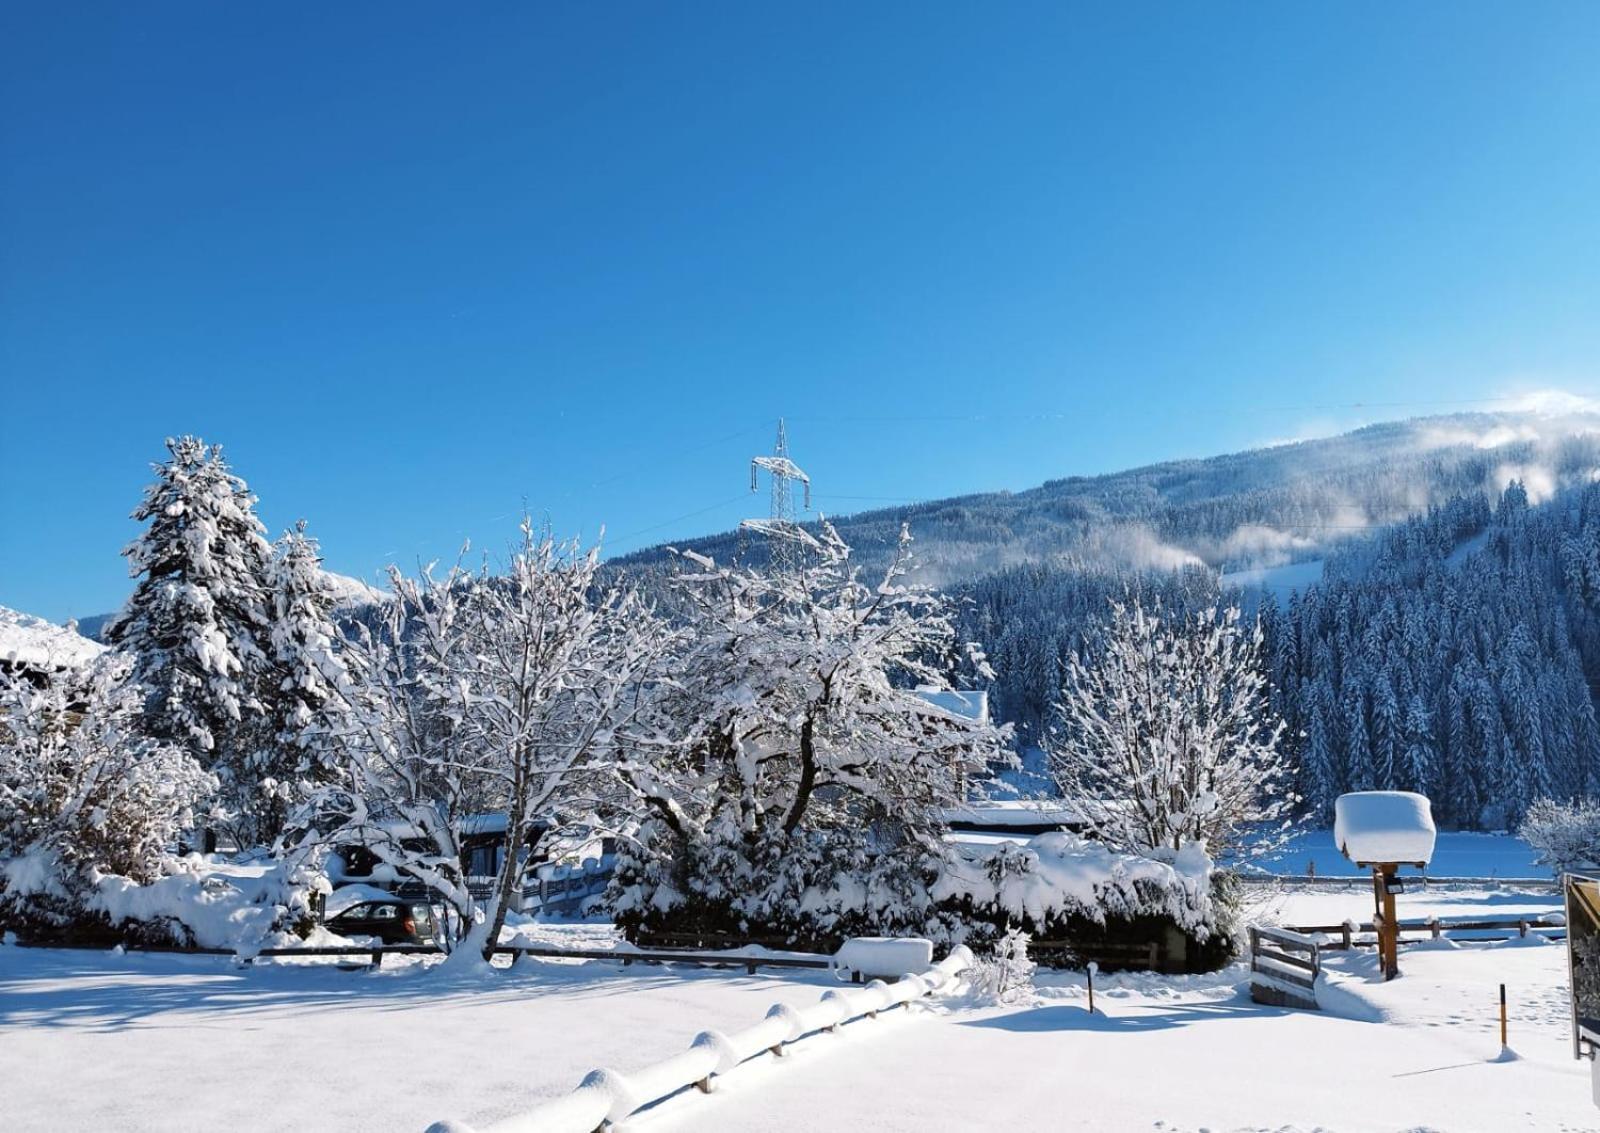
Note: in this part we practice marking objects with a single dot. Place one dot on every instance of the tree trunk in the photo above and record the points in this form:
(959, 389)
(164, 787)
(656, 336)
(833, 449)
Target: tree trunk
(808, 776)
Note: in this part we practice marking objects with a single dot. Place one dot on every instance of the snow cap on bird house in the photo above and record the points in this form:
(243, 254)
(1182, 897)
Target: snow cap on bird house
(1384, 827)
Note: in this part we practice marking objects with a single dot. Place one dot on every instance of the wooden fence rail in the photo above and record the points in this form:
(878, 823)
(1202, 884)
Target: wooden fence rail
(1435, 928)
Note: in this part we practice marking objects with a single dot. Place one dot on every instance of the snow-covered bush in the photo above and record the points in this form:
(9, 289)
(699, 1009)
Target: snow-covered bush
(195, 902)
(1004, 976)
(84, 793)
(1167, 736)
(1566, 835)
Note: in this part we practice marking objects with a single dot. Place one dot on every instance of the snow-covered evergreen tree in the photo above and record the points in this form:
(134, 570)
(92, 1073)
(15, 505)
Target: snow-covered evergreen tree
(299, 745)
(1167, 737)
(1419, 768)
(196, 625)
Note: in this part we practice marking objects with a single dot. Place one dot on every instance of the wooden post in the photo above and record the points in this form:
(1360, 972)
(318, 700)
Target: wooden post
(1385, 921)
(1089, 971)
(1502, 1016)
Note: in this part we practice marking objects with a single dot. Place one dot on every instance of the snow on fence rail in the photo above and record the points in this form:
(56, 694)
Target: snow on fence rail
(607, 1096)
(1552, 927)
(1364, 881)
(377, 952)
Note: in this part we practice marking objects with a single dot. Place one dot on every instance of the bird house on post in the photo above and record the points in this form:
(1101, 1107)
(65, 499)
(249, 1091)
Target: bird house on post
(1382, 831)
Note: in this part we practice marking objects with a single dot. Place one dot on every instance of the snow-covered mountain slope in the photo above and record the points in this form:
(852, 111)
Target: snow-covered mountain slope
(1240, 512)
(35, 643)
(348, 594)
(351, 593)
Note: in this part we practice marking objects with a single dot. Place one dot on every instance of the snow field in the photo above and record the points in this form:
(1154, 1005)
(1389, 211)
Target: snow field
(610, 1096)
(143, 1042)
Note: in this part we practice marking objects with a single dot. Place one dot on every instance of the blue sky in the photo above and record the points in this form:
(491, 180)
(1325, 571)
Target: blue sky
(415, 265)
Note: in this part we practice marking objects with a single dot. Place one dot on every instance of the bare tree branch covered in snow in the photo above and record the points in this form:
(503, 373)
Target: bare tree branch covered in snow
(1166, 735)
(404, 785)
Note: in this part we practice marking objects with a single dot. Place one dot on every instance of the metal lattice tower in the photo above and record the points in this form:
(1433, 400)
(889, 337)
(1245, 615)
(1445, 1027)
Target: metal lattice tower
(785, 536)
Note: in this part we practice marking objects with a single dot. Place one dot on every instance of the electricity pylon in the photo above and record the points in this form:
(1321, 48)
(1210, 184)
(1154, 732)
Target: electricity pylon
(785, 536)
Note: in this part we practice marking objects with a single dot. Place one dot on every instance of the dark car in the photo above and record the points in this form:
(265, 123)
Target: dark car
(393, 921)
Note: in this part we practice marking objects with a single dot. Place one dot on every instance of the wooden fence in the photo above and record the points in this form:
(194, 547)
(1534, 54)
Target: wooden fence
(375, 953)
(1345, 936)
(1285, 965)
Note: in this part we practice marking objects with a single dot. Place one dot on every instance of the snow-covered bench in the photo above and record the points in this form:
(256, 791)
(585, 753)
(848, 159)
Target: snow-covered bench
(882, 957)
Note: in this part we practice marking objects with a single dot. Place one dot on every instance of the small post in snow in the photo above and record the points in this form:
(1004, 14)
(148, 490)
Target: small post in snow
(1091, 970)
(1502, 1018)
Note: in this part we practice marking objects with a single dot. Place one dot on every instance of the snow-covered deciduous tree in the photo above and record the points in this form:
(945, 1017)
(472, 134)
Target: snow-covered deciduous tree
(406, 779)
(297, 748)
(811, 772)
(1566, 835)
(559, 676)
(1166, 736)
(505, 700)
(84, 792)
(196, 625)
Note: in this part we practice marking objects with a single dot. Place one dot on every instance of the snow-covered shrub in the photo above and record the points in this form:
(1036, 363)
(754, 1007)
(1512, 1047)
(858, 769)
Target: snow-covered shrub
(1566, 835)
(811, 889)
(84, 793)
(1004, 976)
(197, 903)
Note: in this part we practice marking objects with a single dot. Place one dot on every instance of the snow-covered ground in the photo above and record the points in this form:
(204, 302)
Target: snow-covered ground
(98, 1040)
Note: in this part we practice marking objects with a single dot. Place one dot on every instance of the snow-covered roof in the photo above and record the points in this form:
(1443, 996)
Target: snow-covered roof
(971, 705)
(1003, 813)
(1384, 826)
(38, 644)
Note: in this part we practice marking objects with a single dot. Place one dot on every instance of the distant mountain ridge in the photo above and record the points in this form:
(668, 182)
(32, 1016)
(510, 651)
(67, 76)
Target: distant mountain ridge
(1235, 512)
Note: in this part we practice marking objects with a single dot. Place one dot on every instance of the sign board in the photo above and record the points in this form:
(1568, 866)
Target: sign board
(1583, 965)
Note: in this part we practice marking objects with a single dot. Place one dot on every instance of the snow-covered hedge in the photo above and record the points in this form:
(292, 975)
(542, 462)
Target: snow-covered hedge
(242, 908)
(809, 890)
(1056, 877)
(813, 891)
